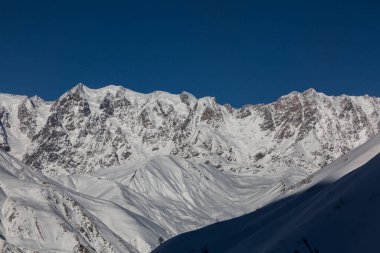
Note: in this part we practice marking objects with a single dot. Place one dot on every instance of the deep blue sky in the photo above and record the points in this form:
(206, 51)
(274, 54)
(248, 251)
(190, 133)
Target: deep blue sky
(238, 51)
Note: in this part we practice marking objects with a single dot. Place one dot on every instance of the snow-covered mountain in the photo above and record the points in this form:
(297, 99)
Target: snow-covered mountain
(135, 208)
(88, 129)
(337, 209)
(112, 170)
(122, 209)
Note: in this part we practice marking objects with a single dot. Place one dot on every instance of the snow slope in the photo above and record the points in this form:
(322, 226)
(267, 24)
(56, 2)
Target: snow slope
(20, 119)
(336, 209)
(122, 209)
(37, 214)
(178, 195)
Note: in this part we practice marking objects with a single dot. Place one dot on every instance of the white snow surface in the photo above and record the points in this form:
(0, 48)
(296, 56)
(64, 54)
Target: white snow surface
(122, 209)
(86, 130)
(337, 209)
(113, 170)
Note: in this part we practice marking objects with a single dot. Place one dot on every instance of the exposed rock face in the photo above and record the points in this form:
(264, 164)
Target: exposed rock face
(86, 129)
(27, 116)
(3, 133)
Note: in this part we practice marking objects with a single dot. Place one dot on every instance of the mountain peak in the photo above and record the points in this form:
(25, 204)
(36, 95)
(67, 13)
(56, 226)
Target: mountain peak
(78, 88)
(188, 98)
(310, 91)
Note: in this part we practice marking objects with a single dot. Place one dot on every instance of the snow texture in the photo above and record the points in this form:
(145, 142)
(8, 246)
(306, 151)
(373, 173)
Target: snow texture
(113, 170)
(334, 210)
(121, 210)
(90, 129)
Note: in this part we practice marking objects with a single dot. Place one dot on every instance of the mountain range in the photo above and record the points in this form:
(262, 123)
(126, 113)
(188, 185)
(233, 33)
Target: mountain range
(89, 129)
(113, 170)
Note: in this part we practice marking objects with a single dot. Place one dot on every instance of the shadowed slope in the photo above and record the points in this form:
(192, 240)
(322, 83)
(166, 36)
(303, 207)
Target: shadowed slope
(338, 211)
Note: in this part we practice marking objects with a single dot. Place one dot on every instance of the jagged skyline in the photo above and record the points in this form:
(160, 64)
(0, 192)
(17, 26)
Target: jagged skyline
(113, 170)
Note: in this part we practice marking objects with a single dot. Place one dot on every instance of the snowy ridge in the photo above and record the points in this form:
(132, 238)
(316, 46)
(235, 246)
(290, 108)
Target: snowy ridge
(89, 129)
(119, 209)
(113, 170)
(41, 215)
(176, 194)
(334, 210)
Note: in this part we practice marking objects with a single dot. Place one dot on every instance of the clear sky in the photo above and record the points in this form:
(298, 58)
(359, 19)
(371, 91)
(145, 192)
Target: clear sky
(238, 51)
